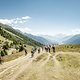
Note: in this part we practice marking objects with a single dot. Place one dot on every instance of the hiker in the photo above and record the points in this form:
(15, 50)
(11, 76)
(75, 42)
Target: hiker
(49, 45)
(32, 52)
(0, 59)
(39, 50)
(42, 48)
(46, 49)
(25, 52)
(49, 49)
(35, 49)
(53, 49)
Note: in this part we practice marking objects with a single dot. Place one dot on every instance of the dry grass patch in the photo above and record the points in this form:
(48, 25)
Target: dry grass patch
(41, 57)
(68, 60)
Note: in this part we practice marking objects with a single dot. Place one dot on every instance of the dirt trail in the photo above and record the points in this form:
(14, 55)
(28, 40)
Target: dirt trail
(10, 70)
(56, 63)
(43, 66)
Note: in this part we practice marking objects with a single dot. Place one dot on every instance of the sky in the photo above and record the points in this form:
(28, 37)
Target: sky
(46, 17)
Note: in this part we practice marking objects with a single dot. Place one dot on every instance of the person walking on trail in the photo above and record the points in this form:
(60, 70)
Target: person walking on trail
(46, 49)
(53, 49)
(0, 59)
(35, 49)
(26, 52)
(49, 49)
(50, 46)
(39, 50)
(32, 52)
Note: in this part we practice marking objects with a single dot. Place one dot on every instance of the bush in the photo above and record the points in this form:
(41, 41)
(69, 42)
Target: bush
(5, 46)
(21, 48)
(71, 46)
(11, 44)
(2, 53)
(5, 52)
(67, 46)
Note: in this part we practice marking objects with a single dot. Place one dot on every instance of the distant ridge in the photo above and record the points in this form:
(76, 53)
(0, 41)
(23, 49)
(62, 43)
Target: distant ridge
(73, 40)
(16, 36)
(39, 39)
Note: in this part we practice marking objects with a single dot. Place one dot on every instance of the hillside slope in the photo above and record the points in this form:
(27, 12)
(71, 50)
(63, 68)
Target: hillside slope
(39, 39)
(73, 40)
(9, 33)
(59, 38)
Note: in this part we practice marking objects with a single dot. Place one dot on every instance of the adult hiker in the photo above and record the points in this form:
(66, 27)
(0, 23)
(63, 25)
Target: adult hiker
(25, 52)
(49, 49)
(35, 49)
(46, 49)
(32, 52)
(39, 50)
(53, 47)
(0, 59)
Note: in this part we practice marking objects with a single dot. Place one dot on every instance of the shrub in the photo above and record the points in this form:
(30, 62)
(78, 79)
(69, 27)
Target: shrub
(5, 46)
(5, 52)
(11, 44)
(71, 46)
(2, 53)
(67, 46)
(21, 48)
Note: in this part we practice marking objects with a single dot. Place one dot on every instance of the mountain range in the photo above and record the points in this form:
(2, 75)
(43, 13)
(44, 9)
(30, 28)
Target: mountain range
(40, 39)
(65, 39)
(18, 37)
(59, 38)
(73, 40)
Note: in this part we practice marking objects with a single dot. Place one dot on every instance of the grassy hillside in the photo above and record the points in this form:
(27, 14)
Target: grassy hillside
(39, 39)
(17, 55)
(13, 41)
(15, 36)
(68, 47)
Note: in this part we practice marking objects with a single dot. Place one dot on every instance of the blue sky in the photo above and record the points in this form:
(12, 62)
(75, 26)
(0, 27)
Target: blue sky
(47, 17)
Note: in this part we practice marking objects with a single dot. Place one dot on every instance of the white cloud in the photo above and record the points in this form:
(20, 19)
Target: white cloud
(6, 21)
(76, 31)
(18, 23)
(26, 17)
(15, 20)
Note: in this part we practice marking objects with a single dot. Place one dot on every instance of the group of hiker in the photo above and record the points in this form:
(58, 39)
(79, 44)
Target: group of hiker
(46, 48)
(33, 50)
